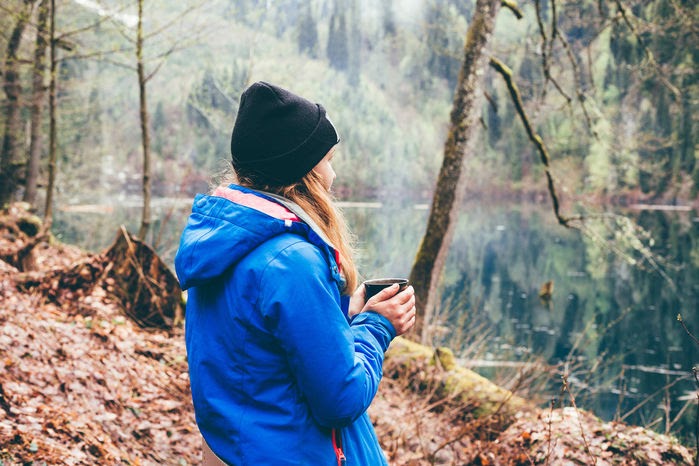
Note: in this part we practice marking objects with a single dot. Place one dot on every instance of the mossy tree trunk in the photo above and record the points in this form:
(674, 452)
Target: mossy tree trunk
(12, 85)
(465, 115)
(53, 106)
(38, 98)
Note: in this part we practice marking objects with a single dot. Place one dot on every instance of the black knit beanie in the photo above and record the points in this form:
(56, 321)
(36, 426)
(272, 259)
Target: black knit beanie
(279, 136)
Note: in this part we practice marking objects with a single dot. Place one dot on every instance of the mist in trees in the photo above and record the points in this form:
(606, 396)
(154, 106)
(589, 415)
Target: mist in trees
(612, 87)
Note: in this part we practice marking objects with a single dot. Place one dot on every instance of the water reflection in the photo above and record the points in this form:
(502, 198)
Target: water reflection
(608, 326)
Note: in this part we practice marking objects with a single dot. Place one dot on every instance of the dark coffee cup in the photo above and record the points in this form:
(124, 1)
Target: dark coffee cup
(374, 286)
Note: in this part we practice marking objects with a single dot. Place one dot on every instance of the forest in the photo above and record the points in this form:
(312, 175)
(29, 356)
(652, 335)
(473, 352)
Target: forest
(555, 148)
(611, 87)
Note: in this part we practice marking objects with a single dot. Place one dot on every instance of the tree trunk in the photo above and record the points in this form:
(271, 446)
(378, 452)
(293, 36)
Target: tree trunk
(48, 210)
(145, 136)
(465, 114)
(13, 125)
(37, 108)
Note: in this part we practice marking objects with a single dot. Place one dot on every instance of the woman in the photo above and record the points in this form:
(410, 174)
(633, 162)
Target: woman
(283, 363)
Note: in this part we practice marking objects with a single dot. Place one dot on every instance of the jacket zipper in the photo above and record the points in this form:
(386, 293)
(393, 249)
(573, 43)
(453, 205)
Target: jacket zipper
(337, 446)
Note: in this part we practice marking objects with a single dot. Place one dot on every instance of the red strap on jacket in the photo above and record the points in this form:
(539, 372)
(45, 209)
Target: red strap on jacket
(337, 446)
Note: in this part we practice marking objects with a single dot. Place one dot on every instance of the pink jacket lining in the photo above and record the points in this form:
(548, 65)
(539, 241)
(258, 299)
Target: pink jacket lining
(256, 202)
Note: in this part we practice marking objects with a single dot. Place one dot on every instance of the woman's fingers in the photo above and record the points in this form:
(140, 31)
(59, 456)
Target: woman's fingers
(386, 293)
(405, 295)
(406, 321)
(398, 308)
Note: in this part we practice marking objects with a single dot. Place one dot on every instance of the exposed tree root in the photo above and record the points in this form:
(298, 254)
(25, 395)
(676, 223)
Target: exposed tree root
(130, 272)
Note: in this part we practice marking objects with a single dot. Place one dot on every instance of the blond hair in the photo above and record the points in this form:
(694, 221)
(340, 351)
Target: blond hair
(310, 194)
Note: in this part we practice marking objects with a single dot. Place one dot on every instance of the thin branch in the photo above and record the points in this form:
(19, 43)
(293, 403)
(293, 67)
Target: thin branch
(649, 54)
(163, 57)
(173, 20)
(491, 101)
(545, 56)
(175, 47)
(549, 434)
(652, 396)
(582, 432)
(576, 79)
(102, 19)
(98, 54)
(684, 326)
(506, 73)
(120, 64)
(578, 221)
(513, 7)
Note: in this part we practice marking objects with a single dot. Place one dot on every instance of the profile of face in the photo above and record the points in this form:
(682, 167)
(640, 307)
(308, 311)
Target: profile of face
(325, 170)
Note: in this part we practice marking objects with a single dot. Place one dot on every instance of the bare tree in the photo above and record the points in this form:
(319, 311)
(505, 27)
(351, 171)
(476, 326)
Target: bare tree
(38, 103)
(48, 209)
(143, 77)
(138, 48)
(145, 134)
(464, 122)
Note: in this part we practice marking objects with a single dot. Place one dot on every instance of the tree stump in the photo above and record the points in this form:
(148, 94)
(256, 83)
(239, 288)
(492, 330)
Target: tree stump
(129, 271)
(137, 278)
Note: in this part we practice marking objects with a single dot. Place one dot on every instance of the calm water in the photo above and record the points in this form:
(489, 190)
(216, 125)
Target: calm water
(609, 327)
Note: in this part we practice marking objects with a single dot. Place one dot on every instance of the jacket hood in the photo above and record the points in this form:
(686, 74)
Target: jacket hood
(227, 225)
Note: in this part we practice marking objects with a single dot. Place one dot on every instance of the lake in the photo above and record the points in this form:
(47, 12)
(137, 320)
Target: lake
(609, 327)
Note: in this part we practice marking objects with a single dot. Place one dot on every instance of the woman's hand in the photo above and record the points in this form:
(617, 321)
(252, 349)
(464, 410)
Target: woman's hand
(398, 308)
(357, 301)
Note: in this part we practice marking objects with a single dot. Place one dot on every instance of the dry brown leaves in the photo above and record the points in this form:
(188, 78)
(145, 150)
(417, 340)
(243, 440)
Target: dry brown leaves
(82, 384)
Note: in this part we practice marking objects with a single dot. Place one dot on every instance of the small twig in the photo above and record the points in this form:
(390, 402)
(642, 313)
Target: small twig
(652, 396)
(475, 424)
(491, 101)
(622, 393)
(582, 431)
(545, 65)
(549, 435)
(667, 407)
(684, 326)
(576, 80)
(680, 413)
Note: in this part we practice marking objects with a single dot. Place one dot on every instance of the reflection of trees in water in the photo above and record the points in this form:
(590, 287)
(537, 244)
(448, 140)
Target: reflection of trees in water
(606, 319)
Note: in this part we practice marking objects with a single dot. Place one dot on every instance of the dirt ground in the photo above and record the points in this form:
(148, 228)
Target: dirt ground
(81, 383)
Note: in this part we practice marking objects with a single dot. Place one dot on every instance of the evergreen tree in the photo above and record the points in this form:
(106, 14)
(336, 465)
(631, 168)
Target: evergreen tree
(388, 18)
(307, 32)
(355, 44)
(338, 50)
(443, 40)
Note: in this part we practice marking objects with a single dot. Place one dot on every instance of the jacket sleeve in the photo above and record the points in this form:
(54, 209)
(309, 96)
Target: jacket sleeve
(337, 365)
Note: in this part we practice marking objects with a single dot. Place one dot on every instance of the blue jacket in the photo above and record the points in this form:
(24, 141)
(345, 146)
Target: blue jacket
(274, 363)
